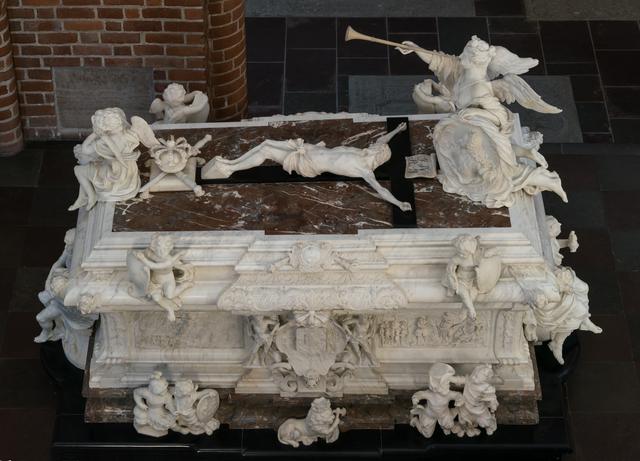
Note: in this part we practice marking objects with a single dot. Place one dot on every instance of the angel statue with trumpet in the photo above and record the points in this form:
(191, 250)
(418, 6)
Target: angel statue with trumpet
(476, 148)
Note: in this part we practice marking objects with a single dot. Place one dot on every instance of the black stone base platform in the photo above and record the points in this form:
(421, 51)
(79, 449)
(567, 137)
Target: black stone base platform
(74, 440)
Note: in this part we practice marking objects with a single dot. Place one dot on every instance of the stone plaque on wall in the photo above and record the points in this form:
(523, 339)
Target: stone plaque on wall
(80, 91)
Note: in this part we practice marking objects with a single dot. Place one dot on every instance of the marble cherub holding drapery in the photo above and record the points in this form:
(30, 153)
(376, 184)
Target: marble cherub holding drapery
(176, 106)
(471, 271)
(475, 147)
(107, 169)
(159, 273)
(477, 408)
(310, 160)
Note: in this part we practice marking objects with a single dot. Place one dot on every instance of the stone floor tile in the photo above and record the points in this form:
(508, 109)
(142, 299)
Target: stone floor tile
(612, 345)
(606, 436)
(571, 68)
(265, 39)
(499, 8)
(15, 203)
(623, 101)
(619, 172)
(50, 207)
(619, 68)
(629, 283)
(566, 41)
(57, 165)
(584, 209)
(593, 117)
(509, 25)
(412, 25)
(22, 169)
(12, 240)
(578, 173)
(607, 387)
(265, 83)
(615, 35)
(604, 295)
(18, 343)
(25, 384)
(595, 252)
(622, 209)
(29, 281)
(311, 70)
(626, 130)
(363, 66)
(625, 245)
(27, 434)
(305, 102)
(586, 88)
(311, 32)
(456, 32)
(42, 245)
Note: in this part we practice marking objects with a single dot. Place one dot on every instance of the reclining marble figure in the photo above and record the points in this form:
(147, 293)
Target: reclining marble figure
(321, 422)
(176, 106)
(310, 160)
(107, 160)
(475, 146)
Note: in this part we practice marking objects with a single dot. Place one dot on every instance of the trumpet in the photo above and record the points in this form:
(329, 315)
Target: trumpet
(353, 34)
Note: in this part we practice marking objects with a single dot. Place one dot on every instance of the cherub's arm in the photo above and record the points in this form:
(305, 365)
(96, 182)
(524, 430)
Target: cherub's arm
(138, 397)
(450, 275)
(152, 264)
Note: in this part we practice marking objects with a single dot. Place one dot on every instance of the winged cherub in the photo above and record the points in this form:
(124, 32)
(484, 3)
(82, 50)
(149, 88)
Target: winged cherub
(476, 151)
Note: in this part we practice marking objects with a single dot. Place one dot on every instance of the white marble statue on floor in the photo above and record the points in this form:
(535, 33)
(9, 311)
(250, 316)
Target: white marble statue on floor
(158, 273)
(472, 270)
(462, 413)
(107, 169)
(59, 322)
(555, 228)
(477, 153)
(477, 408)
(176, 106)
(310, 160)
(436, 409)
(321, 422)
(183, 408)
(174, 166)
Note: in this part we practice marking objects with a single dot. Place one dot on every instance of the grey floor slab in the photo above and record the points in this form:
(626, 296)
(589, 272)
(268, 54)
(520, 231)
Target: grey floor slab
(580, 10)
(391, 95)
(359, 8)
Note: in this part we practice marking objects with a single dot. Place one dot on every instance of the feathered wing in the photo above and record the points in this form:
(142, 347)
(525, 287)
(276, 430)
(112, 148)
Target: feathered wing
(505, 62)
(144, 131)
(512, 88)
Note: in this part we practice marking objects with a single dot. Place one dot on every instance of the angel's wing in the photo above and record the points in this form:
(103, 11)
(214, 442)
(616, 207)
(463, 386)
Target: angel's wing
(144, 131)
(512, 88)
(505, 62)
(157, 107)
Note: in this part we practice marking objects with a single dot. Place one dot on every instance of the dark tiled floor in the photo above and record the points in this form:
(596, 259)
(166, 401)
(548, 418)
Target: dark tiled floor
(311, 56)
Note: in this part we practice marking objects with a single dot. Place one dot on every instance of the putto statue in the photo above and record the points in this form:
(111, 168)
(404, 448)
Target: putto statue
(59, 322)
(554, 321)
(461, 413)
(472, 270)
(321, 422)
(176, 106)
(437, 409)
(159, 274)
(476, 151)
(310, 160)
(184, 409)
(107, 160)
(555, 228)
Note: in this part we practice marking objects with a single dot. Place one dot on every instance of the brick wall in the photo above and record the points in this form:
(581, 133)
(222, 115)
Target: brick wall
(167, 35)
(11, 140)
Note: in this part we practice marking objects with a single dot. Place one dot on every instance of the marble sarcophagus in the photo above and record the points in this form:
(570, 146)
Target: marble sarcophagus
(287, 288)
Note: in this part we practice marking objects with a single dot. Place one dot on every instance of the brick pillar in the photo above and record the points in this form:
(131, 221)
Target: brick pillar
(11, 141)
(226, 59)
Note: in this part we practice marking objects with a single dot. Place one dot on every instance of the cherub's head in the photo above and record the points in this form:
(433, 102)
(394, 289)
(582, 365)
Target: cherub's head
(540, 300)
(161, 245)
(111, 120)
(184, 387)
(157, 384)
(440, 376)
(481, 374)
(476, 53)
(174, 94)
(465, 244)
(553, 226)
